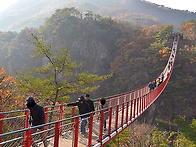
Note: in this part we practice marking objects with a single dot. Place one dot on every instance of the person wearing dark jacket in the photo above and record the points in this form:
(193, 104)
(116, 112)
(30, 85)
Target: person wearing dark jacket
(84, 108)
(37, 117)
(103, 105)
(151, 86)
(91, 104)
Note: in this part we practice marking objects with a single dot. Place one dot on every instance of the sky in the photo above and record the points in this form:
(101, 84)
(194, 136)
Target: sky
(6, 3)
(175, 4)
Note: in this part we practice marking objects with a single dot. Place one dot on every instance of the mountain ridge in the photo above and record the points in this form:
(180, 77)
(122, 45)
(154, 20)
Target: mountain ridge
(30, 11)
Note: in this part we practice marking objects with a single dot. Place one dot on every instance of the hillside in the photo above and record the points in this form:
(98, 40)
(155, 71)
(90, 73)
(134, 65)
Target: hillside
(32, 13)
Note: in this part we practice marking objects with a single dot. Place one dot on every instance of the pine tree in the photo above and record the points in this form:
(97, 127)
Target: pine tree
(55, 81)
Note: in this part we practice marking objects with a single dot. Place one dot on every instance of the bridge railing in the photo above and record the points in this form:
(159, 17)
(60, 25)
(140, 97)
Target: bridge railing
(17, 120)
(124, 109)
(117, 102)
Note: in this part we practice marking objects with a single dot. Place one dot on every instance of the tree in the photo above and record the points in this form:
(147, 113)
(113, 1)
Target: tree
(6, 88)
(189, 31)
(54, 81)
(159, 138)
(121, 140)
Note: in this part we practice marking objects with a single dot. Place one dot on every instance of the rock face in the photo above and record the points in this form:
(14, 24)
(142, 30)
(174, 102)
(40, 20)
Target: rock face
(92, 54)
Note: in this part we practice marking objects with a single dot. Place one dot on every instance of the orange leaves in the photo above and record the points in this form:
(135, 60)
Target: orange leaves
(154, 29)
(188, 25)
(189, 31)
(6, 89)
(164, 53)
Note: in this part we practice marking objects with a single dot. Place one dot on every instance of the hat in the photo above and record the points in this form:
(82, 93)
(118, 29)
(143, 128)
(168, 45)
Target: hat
(30, 102)
(30, 99)
(81, 98)
(87, 95)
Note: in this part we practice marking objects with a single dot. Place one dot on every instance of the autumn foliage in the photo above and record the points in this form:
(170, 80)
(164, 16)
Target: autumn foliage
(7, 87)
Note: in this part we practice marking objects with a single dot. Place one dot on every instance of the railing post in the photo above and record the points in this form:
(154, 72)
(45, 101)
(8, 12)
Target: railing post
(127, 111)
(129, 96)
(110, 122)
(118, 100)
(113, 103)
(101, 126)
(56, 137)
(28, 138)
(76, 132)
(109, 104)
(144, 99)
(134, 105)
(61, 117)
(140, 101)
(90, 130)
(46, 119)
(121, 101)
(25, 126)
(73, 113)
(131, 110)
(27, 119)
(98, 101)
(116, 123)
(122, 117)
(1, 126)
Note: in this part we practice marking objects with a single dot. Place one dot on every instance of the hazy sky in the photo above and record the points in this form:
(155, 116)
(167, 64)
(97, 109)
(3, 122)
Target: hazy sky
(175, 4)
(6, 3)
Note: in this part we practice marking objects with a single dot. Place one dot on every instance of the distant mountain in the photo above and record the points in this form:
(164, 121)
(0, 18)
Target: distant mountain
(32, 13)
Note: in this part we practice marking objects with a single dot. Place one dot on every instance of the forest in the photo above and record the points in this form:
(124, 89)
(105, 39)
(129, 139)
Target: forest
(71, 55)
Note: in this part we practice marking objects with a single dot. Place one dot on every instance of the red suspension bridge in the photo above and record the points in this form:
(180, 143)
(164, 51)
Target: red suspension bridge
(62, 129)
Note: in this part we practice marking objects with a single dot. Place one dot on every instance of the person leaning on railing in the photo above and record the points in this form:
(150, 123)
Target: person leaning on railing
(37, 117)
(84, 108)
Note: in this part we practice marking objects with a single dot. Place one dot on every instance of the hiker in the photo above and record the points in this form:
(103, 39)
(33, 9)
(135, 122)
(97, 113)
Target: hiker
(84, 108)
(154, 84)
(103, 105)
(37, 117)
(159, 81)
(151, 86)
(91, 104)
(162, 77)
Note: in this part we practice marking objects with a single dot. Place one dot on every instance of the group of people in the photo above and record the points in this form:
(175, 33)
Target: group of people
(156, 83)
(85, 106)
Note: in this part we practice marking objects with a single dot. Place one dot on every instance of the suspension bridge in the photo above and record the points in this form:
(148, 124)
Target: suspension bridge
(62, 129)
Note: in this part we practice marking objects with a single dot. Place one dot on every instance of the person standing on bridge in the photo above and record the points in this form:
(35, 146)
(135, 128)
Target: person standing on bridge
(37, 117)
(91, 104)
(103, 105)
(151, 86)
(84, 108)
